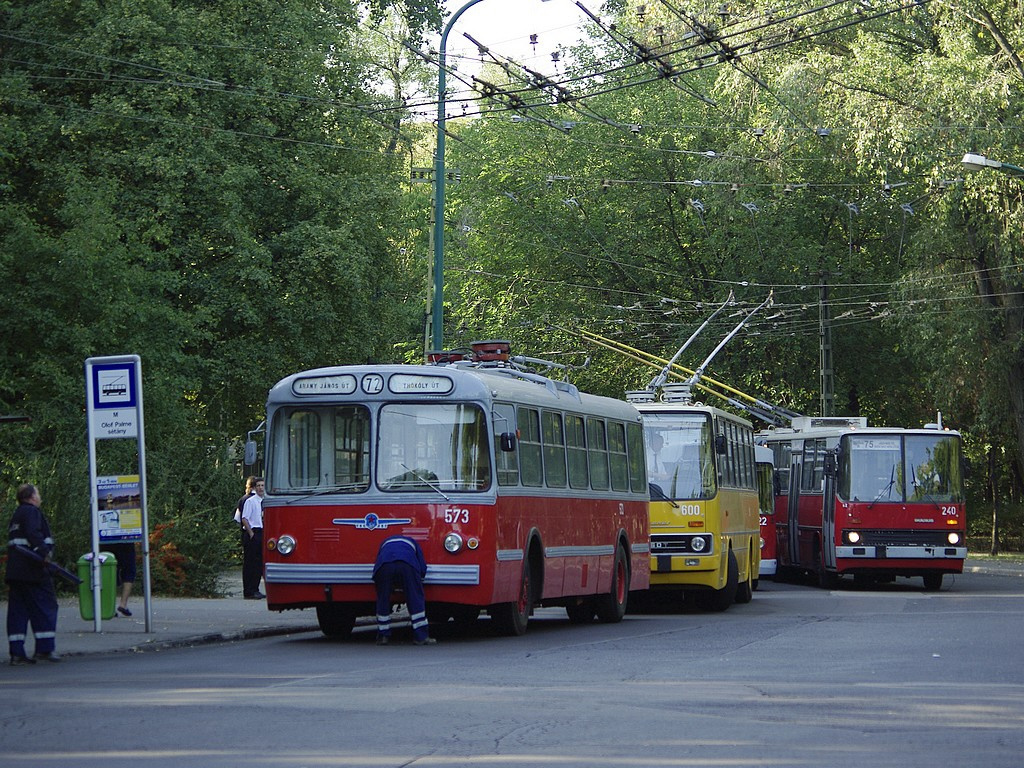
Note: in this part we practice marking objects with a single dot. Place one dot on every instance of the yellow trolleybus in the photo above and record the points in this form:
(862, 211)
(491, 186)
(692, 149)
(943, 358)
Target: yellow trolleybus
(705, 537)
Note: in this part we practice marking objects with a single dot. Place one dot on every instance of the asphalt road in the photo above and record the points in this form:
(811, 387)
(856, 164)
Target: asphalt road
(893, 676)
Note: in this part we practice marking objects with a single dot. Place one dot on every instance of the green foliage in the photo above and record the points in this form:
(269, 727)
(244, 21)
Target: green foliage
(221, 188)
(199, 184)
(576, 221)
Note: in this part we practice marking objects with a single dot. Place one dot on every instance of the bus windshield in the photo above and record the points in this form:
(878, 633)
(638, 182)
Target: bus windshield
(319, 449)
(681, 459)
(433, 445)
(897, 468)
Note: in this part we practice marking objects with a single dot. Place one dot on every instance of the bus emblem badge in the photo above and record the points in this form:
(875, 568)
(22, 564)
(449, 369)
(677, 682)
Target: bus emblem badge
(371, 522)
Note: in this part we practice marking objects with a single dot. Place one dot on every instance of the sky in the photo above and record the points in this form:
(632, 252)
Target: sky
(505, 27)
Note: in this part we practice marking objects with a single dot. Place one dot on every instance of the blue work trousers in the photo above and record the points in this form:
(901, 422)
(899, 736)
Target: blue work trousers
(35, 603)
(393, 574)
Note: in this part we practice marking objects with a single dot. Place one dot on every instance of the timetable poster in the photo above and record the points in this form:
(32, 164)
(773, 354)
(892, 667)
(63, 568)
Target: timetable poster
(120, 508)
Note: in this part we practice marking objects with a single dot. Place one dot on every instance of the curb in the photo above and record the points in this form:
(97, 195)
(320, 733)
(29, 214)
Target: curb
(210, 638)
(989, 570)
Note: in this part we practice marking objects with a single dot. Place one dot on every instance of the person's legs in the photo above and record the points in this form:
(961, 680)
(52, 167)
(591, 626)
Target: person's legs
(126, 592)
(258, 544)
(17, 620)
(125, 575)
(251, 563)
(42, 613)
(416, 604)
(384, 581)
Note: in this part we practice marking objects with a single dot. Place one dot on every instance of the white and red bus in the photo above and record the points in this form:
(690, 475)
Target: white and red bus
(875, 503)
(522, 491)
(764, 462)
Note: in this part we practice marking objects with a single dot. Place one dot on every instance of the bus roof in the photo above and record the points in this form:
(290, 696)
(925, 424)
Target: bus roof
(429, 382)
(677, 408)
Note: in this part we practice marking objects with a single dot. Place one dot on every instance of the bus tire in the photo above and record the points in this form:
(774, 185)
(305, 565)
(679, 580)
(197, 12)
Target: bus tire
(719, 600)
(745, 588)
(932, 582)
(335, 620)
(612, 607)
(828, 579)
(510, 619)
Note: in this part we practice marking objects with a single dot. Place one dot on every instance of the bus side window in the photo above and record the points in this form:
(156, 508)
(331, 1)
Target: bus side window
(576, 448)
(506, 462)
(553, 437)
(617, 456)
(597, 453)
(530, 467)
(637, 471)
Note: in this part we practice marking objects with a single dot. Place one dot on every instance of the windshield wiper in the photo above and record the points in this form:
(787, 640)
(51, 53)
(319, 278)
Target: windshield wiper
(919, 487)
(656, 492)
(887, 491)
(426, 481)
(318, 491)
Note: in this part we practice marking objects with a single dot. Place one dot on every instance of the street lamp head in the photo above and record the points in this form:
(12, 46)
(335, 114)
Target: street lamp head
(975, 162)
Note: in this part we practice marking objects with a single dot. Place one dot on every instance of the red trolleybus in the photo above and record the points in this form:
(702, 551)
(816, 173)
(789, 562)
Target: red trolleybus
(521, 490)
(765, 468)
(875, 503)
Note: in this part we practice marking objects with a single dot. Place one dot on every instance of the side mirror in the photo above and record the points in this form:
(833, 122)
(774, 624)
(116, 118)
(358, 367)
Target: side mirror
(508, 441)
(830, 464)
(720, 444)
(250, 452)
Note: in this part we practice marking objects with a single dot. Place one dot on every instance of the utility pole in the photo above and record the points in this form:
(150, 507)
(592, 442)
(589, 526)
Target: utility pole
(828, 400)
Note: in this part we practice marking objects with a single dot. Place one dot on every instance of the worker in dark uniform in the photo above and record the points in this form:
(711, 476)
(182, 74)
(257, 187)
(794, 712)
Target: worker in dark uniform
(31, 597)
(400, 561)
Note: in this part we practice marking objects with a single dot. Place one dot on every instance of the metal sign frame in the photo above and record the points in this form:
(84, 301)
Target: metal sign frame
(113, 393)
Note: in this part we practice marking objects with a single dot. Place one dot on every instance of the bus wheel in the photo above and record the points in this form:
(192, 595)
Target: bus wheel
(745, 589)
(335, 620)
(933, 581)
(612, 607)
(510, 619)
(828, 579)
(720, 599)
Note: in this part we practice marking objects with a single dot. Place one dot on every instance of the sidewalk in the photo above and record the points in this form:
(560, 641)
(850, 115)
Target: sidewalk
(181, 622)
(175, 622)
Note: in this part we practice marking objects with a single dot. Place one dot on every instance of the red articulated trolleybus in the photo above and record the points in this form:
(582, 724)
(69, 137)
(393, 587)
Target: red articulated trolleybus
(521, 490)
(766, 483)
(872, 502)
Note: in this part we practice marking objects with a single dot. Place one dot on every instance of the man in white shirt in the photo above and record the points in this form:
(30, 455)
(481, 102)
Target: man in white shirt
(252, 537)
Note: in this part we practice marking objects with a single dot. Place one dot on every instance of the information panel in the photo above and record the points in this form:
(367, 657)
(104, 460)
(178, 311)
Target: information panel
(113, 396)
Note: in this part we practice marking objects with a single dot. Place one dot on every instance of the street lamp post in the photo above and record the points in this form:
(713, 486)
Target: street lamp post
(976, 162)
(437, 315)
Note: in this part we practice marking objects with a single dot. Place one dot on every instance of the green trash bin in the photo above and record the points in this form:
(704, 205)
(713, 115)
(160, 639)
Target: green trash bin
(108, 586)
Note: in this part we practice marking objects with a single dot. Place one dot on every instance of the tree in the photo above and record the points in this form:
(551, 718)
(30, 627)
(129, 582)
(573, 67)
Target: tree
(207, 185)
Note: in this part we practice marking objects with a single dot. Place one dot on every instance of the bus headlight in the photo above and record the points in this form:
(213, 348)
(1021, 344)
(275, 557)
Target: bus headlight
(285, 544)
(853, 537)
(698, 543)
(453, 543)
(953, 537)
